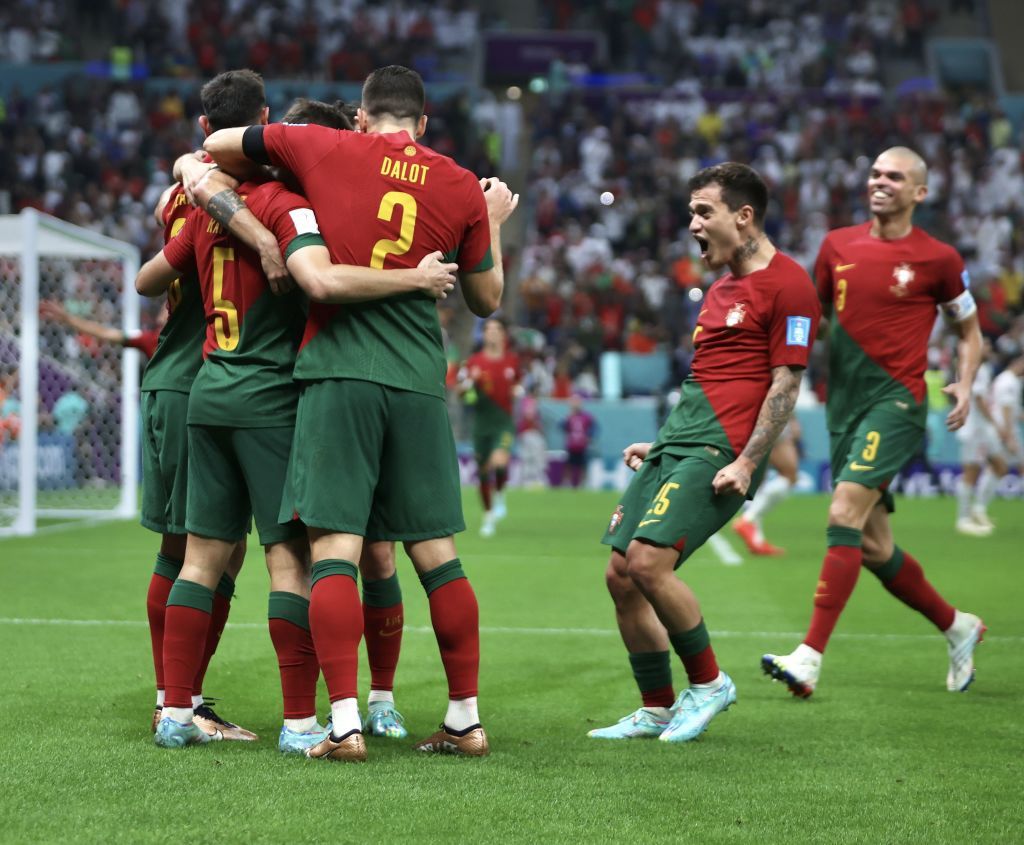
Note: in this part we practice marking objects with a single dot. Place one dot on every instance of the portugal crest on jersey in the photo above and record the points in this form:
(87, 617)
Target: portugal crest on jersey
(736, 315)
(904, 275)
(616, 519)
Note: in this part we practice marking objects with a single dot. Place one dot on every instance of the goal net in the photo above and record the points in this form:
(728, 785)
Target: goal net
(68, 403)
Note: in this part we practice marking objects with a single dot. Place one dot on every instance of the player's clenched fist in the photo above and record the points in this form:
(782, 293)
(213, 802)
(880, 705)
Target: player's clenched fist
(501, 202)
(733, 478)
(438, 277)
(634, 454)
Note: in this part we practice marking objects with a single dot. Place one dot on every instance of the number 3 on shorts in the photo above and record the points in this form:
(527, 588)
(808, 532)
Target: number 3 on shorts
(661, 501)
(871, 450)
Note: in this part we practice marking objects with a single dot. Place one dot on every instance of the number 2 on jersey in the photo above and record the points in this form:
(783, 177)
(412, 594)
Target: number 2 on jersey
(226, 324)
(385, 246)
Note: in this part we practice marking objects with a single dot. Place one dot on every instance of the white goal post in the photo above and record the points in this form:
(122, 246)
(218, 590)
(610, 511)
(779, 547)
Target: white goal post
(69, 412)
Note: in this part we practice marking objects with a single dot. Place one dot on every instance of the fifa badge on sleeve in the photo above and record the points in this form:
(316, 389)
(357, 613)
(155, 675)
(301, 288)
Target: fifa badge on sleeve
(798, 331)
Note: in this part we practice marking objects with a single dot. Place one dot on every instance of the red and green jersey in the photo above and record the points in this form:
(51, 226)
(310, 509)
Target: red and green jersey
(179, 351)
(386, 202)
(251, 335)
(747, 327)
(495, 380)
(884, 296)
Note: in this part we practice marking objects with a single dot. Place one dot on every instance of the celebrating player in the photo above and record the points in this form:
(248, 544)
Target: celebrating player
(386, 468)
(491, 376)
(752, 342)
(882, 281)
(230, 99)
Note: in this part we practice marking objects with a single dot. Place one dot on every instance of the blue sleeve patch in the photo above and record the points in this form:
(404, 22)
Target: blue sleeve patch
(798, 331)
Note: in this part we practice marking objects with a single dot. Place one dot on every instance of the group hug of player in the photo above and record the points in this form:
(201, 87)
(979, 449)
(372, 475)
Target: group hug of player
(319, 414)
(316, 412)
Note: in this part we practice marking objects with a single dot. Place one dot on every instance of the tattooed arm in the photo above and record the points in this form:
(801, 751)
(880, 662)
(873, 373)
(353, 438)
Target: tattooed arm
(774, 414)
(215, 194)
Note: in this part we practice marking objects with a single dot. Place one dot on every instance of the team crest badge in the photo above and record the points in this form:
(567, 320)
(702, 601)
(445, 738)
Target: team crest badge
(736, 315)
(904, 275)
(616, 519)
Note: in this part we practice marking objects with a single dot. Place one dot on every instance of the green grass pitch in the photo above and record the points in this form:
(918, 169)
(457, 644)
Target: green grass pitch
(882, 753)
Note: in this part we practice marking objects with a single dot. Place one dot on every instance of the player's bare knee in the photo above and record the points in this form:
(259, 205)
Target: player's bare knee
(288, 566)
(377, 561)
(644, 565)
(851, 506)
(616, 578)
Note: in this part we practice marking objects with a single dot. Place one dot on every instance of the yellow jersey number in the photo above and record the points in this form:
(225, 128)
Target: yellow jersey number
(840, 294)
(385, 246)
(174, 291)
(226, 324)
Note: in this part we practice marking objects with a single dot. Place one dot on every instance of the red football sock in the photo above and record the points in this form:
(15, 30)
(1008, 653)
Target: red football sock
(485, 489)
(296, 658)
(662, 697)
(702, 667)
(382, 629)
(911, 587)
(218, 619)
(456, 619)
(838, 577)
(336, 622)
(185, 630)
(156, 606)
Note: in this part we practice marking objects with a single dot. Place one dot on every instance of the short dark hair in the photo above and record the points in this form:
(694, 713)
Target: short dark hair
(396, 91)
(741, 185)
(233, 98)
(335, 115)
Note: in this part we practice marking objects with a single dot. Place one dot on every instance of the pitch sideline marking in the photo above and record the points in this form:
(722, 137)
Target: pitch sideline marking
(423, 629)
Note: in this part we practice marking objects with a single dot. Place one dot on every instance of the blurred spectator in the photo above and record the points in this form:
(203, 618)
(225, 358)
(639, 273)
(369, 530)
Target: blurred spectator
(532, 444)
(580, 428)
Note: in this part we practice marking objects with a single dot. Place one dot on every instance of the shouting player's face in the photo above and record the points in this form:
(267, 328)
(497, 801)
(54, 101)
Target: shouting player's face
(717, 229)
(896, 184)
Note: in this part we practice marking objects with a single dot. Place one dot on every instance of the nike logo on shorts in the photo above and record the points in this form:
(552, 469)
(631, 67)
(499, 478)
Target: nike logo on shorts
(859, 467)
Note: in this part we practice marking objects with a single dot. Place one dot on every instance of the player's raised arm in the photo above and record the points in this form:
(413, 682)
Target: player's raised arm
(323, 281)
(775, 412)
(177, 256)
(225, 147)
(55, 312)
(155, 276)
(483, 289)
(215, 194)
(161, 204)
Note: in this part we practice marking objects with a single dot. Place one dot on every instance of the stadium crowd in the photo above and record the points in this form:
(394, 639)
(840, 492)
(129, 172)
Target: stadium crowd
(198, 40)
(796, 90)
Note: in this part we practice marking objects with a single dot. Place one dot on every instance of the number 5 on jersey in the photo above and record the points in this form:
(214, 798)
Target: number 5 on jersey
(226, 323)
